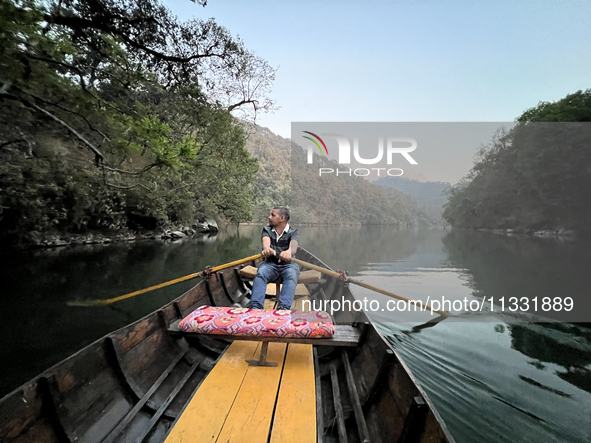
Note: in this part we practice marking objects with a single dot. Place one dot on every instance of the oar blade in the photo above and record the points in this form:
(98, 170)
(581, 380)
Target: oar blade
(86, 303)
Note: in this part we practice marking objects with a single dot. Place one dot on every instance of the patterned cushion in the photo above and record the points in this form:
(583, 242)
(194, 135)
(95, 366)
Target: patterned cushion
(258, 322)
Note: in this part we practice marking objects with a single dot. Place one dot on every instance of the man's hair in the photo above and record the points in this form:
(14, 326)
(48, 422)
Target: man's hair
(283, 211)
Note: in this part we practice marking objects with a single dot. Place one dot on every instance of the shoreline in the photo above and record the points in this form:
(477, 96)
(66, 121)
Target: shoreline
(58, 240)
(563, 234)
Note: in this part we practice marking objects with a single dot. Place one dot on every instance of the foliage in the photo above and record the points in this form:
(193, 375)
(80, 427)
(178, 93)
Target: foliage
(429, 195)
(131, 106)
(536, 176)
(53, 195)
(284, 178)
(272, 185)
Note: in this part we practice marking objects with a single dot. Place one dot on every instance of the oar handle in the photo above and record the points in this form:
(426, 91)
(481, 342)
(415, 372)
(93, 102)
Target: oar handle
(316, 268)
(151, 288)
(424, 306)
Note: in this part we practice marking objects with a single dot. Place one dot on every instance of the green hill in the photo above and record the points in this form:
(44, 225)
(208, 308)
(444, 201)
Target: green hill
(323, 200)
(429, 195)
(535, 177)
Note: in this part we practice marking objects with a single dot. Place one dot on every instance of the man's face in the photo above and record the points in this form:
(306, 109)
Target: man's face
(275, 218)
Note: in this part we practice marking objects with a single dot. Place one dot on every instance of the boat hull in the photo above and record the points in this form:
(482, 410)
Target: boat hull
(133, 384)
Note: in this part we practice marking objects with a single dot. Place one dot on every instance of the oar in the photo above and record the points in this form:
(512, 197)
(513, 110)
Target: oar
(161, 285)
(365, 285)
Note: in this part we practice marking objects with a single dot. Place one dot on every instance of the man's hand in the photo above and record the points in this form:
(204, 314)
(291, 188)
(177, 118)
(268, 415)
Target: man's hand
(285, 255)
(267, 252)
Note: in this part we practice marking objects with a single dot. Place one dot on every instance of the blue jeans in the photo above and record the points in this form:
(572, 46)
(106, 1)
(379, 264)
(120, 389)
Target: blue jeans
(268, 272)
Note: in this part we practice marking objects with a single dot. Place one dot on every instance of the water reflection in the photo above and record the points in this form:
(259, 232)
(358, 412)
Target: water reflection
(39, 329)
(516, 266)
(564, 345)
(352, 248)
(491, 380)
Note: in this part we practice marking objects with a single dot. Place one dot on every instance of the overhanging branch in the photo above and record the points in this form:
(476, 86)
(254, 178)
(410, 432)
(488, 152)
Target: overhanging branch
(98, 155)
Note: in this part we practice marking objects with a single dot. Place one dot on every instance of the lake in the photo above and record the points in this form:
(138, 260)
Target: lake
(493, 376)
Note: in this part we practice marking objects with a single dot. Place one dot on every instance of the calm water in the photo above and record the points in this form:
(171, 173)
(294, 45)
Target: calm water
(492, 377)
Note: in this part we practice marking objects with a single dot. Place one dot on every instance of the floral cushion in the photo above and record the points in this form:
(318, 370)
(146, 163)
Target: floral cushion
(258, 322)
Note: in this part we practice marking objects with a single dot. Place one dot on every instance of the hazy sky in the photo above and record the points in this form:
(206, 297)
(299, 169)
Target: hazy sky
(410, 60)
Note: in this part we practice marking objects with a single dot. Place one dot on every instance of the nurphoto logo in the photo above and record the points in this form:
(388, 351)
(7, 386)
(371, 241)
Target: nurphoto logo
(394, 145)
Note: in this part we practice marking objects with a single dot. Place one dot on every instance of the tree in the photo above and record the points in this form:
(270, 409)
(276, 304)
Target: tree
(536, 176)
(140, 101)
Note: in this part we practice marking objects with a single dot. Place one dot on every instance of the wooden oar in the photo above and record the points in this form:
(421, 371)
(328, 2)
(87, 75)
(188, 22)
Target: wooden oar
(424, 306)
(161, 285)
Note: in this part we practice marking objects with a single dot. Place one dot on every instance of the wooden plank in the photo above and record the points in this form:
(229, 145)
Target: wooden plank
(319, 409)
(204, 416)
(338, 407)
(309, 277)
(225, 286)
(270, 303)
(301, 289)
(305, 277)
(142, 401)
(249, 420)
(132, 336)
(354, 396)
(299, 304)
(195, 297)
(413, 423)
(295, 413)
(156, 417)
(248, 272)
(20, 411)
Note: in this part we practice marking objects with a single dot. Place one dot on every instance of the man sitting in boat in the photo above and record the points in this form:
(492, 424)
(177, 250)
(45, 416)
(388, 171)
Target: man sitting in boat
(280, 242)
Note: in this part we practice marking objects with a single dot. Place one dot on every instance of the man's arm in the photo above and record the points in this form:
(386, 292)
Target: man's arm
(267, 251)
(293, 248)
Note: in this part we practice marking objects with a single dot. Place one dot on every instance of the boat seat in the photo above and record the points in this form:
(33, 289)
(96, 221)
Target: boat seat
(250, 272)
(344, 335)
(274, 287)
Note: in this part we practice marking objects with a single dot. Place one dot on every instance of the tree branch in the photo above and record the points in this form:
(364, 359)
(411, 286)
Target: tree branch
(98, 155)
(243, 102)
(78, 22)
(121, 171)
(92, 128)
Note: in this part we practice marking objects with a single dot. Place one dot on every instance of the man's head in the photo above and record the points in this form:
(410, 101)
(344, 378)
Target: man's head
(279, 216)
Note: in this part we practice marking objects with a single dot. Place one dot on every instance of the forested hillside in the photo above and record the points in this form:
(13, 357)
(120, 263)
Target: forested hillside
(273, 179)
(327, 199)
(429, 195)
(114, 114)
(535, 177)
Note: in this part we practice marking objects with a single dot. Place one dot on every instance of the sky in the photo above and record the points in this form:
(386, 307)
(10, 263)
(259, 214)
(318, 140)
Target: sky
(410, 60)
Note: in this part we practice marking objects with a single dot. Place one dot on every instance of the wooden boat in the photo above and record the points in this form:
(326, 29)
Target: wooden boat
(133, 384)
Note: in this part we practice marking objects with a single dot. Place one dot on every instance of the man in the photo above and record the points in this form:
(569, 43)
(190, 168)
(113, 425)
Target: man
(280, 242)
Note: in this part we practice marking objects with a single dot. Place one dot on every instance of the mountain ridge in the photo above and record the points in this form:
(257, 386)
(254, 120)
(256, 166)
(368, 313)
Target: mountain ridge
(322, 200)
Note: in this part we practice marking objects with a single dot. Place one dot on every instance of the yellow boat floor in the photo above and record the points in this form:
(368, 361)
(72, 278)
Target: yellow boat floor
(242, 403)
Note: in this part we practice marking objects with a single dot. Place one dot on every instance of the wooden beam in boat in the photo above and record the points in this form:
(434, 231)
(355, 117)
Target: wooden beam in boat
(344, 335)
(305, 277)
(295, 413)
(270, 303)
(338, 407)
(300, 291)
(298, 303)
(250, 418)
(319, 409)
(204, 416)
